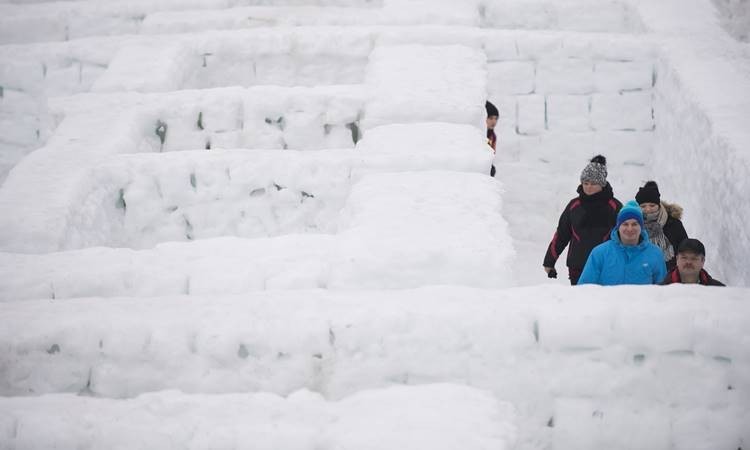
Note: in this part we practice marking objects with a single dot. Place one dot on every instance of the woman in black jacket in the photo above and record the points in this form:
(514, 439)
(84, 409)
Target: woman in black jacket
(585, 222)
(663, 222)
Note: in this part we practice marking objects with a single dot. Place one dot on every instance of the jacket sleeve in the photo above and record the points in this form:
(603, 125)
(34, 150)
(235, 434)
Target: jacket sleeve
(593, 269)
(560, 239)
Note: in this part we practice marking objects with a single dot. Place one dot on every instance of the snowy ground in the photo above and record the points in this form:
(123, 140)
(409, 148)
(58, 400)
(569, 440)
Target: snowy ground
(270, 223)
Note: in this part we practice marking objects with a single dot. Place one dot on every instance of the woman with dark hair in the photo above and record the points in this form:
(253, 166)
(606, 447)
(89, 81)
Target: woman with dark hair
(663, 222)
(585, 222)
(491, 121)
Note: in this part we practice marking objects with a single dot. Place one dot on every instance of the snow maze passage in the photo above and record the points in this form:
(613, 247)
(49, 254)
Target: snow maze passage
(270, 223)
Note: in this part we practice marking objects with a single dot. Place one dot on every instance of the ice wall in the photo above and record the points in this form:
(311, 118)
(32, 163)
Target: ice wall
(579, 370)
(701, 143)
(566, 96)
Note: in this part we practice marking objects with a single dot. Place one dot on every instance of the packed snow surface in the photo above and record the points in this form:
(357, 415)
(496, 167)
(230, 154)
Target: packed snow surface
(269, 223)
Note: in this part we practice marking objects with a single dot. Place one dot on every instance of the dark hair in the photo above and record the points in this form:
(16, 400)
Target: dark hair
(491, 109)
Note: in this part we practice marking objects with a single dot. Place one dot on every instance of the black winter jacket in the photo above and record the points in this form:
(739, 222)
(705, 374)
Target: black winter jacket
(673, 230)
(585, 223)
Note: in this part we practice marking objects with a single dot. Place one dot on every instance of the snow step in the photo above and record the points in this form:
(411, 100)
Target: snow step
(438, 417)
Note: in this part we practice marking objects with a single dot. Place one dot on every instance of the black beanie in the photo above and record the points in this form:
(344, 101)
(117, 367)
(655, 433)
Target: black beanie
(491, 109)
(649, 193)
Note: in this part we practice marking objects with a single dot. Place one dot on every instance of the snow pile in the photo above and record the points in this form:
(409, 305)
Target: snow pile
(436, 417)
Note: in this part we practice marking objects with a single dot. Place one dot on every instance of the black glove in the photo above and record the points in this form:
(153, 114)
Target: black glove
(552, 273)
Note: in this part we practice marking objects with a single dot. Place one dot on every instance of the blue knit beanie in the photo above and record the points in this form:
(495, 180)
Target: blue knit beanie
(630, 210)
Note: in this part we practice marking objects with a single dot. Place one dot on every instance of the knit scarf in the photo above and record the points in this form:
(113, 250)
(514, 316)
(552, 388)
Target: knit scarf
(654, 225)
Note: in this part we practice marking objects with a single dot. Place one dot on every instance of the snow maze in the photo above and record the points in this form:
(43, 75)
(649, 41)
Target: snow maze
(270, 224)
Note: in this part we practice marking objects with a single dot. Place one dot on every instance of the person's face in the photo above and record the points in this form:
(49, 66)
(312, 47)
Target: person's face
(649, 208)
(630, 231)
(689, 263)
(491, 122)
(590, 188)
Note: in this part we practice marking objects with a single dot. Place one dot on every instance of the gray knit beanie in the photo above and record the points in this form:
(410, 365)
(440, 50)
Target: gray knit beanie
(595, 171)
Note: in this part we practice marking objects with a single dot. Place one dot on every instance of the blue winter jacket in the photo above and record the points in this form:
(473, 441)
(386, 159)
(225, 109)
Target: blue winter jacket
(612, 263)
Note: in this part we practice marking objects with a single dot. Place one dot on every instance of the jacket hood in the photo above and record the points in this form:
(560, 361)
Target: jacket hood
(673, 210)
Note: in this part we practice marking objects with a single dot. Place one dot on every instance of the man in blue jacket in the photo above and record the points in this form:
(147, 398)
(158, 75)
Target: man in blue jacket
(628, 257)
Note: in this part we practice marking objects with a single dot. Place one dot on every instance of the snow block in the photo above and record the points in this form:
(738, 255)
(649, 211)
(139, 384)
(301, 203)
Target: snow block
(611, 17)
(426, 146)
(147, 67)
(15, 103)
(540, 46)
(568, 112)
(26, 76)
(618, 76)
(28, 28)
(565, 76)
(506, 123)
(500, 45)
(626, 111)
(302, 118)
(587, 425)
(507, 14)
(510, 77)
(203, 194)
(418, 83)
(281, 57)
(531, 114)
(20, 131)
(389, 216)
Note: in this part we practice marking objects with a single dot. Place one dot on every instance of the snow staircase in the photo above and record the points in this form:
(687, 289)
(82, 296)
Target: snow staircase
(269, 224)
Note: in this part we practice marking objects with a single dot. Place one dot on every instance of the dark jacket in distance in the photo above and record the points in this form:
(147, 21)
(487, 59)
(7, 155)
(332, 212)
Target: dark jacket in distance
(585, 223)
(703, 278)
(674, 230)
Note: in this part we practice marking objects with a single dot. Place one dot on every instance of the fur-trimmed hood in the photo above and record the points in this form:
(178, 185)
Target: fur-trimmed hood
(673, 210)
